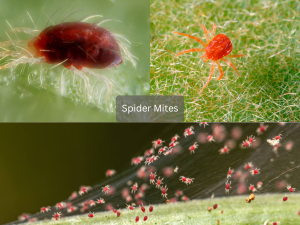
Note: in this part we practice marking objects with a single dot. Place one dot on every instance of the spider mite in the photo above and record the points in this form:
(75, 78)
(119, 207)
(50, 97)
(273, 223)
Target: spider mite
(178, 193)
(137, 218)
(118, 213)
(275, 223)
(134, 188)
(164, 191)
(100, 201)
(210, 138)
(176, 169)
(161, 150)
(259, 185)
(209, 209)
(143, 208)
(173, 144)
(56, 215)
(105, 189)
(157, 143)
(285, 198)
(91, 214)
(184, 198)
(110, 173)
(262, 128)
(149, 152)
(33, 219)
(175, 138)
(60, 205)
(246, 144)
(159, 182)
(23, 217)
(289, 187)
(137, 160)
(193, 147)
(73, 195)
(215, 206)
(45, 209)
(84, 189)
(217, 48)
(278, 137)
(71, 209)
(230, 171)
(189, 180)
(92, 203)
(251, 139)
(168, 152)
(150, 208)
(248, 166)
(203, 123)
(188, 131)
(252, 188)
(224, 150)
(130, 207)
(152, 178)
(254, 172)
(145, 218)
(227, 187)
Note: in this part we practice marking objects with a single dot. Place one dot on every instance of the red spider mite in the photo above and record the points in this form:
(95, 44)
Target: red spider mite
(259, 184)
(130, 207)
(275, 223)
(278, 137)
(210, 138)
(190, 180)
(161, 150)
(157, 143)
(178, 193)
(254, 172)
(143, 208)
(227, 187)
(23, 217)
(251, 139)
(285, 198)
(175, 138)
(164, 191)
(45, 209)
(100, 201)
(92, 203)
(110, 173)
(105, 189)
(77, 44)
(137, 218)
(215, 206)
(168, 152)
(252, 188)
(159, 182)
(57, 215)
(289, 187)
(262, 128)
(84, 189)
(137, 160)
(224, 150)
(149, 152)
(193, 147)
(230, 171)
(91, 215)
(60, 205)
(71, 209)
(215, 49)
(145, 218)
(173, 144)
(118, 213)
(246, 144)
(185, 198)
(150, 208)
(203, 123)
(134, 188)
(152, 178)
(248, 166)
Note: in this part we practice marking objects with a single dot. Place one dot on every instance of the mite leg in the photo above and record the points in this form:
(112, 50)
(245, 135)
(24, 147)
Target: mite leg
(210, 76)
(191, 50)
(5, 44)
(190, 36)
(8, 53)
(23, 30)
(234, 56)
(109, 83)
(220, 69)
(213, 30)
(206, 32)
(83, 76)
(230, 64)
(22, 60)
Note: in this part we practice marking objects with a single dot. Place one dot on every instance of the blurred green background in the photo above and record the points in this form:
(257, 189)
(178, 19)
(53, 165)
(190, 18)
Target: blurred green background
(26, 95)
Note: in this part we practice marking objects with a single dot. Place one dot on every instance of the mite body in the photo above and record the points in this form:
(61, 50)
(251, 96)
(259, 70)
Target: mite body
(77, 44)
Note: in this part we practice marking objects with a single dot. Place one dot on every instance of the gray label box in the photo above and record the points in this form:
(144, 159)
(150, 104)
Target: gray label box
(139, 108)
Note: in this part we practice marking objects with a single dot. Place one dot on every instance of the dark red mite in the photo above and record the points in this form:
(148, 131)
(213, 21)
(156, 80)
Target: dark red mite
(77, 44)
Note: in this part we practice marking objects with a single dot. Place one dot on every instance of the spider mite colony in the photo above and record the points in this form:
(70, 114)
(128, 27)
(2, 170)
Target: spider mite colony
(217, 48)
(153, 177)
